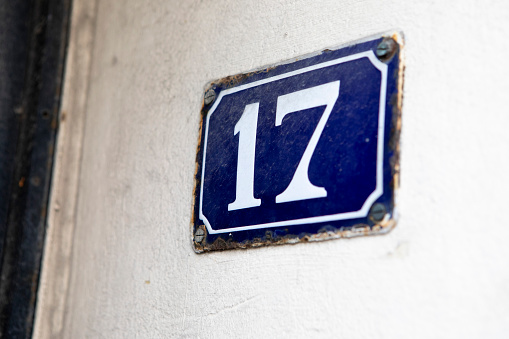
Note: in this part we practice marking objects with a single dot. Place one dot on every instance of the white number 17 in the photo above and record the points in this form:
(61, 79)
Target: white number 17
(300, 188)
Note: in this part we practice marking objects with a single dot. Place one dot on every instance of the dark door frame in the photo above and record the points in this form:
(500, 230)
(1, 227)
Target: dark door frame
(33, 43)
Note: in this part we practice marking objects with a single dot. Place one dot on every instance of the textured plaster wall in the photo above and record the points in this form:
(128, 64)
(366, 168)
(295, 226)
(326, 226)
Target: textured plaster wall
(442, 273)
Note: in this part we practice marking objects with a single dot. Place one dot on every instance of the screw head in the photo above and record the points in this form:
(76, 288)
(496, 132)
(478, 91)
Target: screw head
(199, 235)
(210, 96)
(385, 49)
(377, 212)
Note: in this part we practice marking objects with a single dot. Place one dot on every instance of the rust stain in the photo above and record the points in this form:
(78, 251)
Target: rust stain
(197, 167)
(21, 182)
(233, 80)
(325, 233)
(397, 112)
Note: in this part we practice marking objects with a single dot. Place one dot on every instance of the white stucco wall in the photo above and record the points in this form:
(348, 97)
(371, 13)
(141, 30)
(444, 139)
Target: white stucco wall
(442, 273)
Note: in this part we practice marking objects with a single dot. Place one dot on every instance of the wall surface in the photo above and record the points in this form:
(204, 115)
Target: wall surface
(441, 273)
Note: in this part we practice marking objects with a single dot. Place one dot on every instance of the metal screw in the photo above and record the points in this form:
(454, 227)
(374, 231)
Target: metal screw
(385, 49)
(210, 96)
(199, 235)
(377, 212)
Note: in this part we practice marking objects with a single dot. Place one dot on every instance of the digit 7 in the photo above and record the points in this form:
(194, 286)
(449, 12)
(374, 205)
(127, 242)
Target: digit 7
(300, 188)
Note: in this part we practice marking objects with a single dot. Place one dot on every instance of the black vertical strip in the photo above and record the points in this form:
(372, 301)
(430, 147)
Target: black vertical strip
(35, 126)
(14, 46)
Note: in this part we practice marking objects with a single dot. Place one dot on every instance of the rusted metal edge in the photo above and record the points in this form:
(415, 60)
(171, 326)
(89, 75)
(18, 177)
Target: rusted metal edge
(326, 233)
(199, 231)
(232, 80)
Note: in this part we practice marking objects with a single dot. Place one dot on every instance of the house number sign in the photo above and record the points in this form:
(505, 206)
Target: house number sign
(302, 151)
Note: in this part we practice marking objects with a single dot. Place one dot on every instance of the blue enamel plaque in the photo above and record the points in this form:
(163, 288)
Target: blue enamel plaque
(301, 151)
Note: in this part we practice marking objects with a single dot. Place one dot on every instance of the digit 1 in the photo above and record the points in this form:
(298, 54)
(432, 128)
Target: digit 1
(246, 128)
